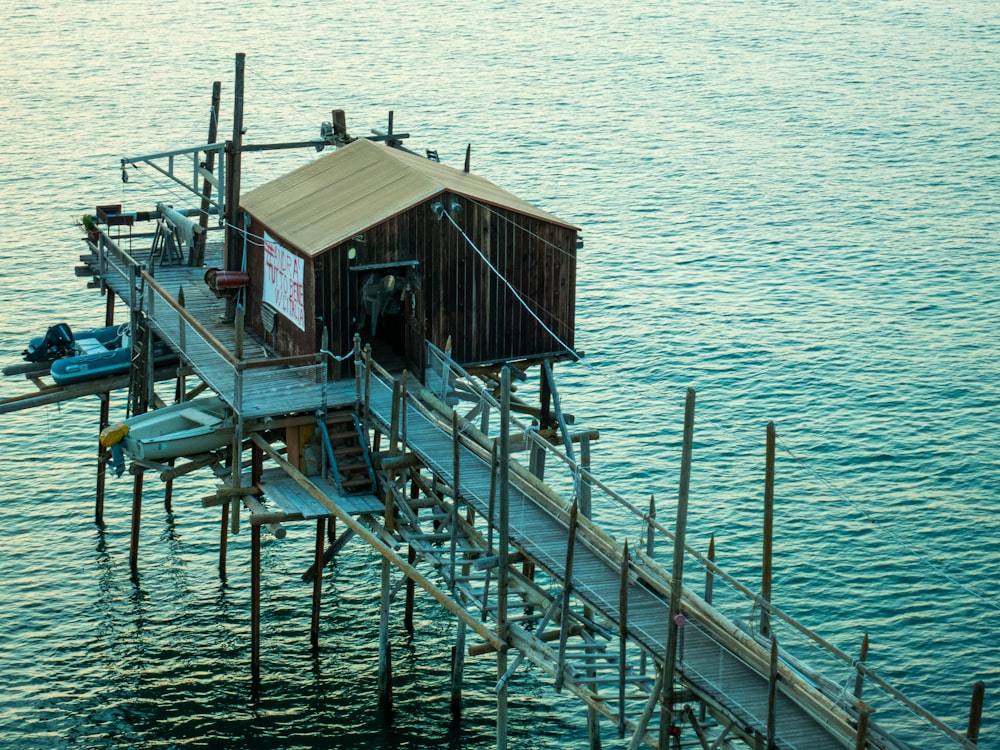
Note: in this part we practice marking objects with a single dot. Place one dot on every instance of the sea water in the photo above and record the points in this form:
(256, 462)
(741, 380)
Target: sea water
(790, 207)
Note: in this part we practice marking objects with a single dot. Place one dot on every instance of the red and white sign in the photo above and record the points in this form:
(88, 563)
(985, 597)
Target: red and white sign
(283, 277)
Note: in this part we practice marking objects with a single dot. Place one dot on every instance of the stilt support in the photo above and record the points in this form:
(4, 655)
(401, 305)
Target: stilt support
(224, 540)
(384, 648)
(317, 583)
(457, 669)
(255, 603)
(133, 554)
(102, 466)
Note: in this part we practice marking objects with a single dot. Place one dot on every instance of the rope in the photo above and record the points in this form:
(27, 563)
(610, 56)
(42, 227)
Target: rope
(887, 529)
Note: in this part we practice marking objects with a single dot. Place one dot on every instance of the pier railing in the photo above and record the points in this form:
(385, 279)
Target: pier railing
(843, 680)
(254, 388)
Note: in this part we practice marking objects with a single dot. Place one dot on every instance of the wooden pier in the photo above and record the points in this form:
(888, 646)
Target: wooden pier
(525, 572)
(348, 416)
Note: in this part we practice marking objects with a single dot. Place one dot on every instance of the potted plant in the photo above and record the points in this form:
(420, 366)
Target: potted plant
(93, 233)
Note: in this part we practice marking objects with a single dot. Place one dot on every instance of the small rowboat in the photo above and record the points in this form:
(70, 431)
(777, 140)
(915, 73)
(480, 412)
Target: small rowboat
(185, 429)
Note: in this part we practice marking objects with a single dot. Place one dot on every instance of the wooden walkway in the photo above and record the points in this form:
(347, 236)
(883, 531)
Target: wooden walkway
(714, 662)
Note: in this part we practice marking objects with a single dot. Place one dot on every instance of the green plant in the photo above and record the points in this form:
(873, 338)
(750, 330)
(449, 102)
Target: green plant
(88, 222)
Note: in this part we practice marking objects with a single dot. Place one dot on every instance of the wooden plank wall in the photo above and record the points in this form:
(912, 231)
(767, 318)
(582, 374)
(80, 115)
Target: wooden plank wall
(460, 297)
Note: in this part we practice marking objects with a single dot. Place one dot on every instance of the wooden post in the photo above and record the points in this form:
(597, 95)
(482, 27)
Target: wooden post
(236, 476)
(102, 453)
(255, 603)
(411, 558)
(709, 576)
(587, 510)
(502, 553)
(859, 680)
(168, 488)
(772, 693)
(133, 553)
(394, 418)
(650, 549)
(384, 648)
(491, 523)
(976, 711)
(317, 582)
(622, 637)
(403, 407)
(677, 574)
(458, 669)
(197, 256)
(233, 169)
(224, 541)
(709, 585)
(862, 738)
(453, 522)
(567, 590)
(765, 583)
(104, 419)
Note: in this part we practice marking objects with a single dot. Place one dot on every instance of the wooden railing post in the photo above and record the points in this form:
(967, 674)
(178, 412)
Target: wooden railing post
(765, 583)
(976, 711)
(677, 574)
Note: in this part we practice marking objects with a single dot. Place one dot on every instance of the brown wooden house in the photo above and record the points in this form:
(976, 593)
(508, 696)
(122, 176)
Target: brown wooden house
(403, 249)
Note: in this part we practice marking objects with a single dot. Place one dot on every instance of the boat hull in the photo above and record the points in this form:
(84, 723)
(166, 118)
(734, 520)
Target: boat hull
(69, 370)
(186, 429)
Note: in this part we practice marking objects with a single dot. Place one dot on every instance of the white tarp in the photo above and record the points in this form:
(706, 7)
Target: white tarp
(283, 277)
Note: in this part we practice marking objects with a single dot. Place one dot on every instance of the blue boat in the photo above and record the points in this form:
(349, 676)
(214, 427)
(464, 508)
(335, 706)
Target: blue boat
(88, 355)
(60, 341)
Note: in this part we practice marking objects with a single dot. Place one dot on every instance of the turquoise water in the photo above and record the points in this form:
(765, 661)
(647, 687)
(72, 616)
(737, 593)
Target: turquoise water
(789, 206)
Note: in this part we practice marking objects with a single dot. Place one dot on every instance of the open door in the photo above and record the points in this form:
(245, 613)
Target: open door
(390, 315)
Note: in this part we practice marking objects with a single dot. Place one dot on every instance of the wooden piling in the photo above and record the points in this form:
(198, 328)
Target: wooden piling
(384, 649)
(197, 256)
(317, 582)
(224, 540)
(566, 593)
(236, 459)
(411, 558)
(233, 169)
(859, 679)
(976, 712)
(168, 486)
(709, 575)
(133, 550)
(622, 637)
(502, 553)
(458, 669)
(677, 574)
(102, 465)
(765, 583)
(453, 521)
(584, 490)
(255, 602)
(104, 420)
(861, 742)
(772, 693)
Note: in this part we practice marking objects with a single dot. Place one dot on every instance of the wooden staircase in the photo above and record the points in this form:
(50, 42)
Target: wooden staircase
(347, 453)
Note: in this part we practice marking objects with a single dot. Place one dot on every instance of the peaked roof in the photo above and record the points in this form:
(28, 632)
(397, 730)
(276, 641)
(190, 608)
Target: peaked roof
(337, 196)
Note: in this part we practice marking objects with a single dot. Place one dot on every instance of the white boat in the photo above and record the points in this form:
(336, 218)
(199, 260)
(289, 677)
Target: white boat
(185, 429)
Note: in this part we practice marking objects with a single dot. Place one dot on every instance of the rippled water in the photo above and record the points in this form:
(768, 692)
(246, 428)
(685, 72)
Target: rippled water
(789, 206)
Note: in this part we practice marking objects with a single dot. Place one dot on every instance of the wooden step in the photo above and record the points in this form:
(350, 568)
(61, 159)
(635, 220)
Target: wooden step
(354, 483)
